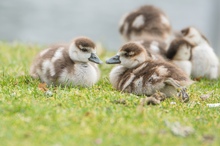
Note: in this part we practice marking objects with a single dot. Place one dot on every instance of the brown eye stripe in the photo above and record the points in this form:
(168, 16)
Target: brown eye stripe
(126, 54)
(131, 47)
(129, 54)
(84, 50)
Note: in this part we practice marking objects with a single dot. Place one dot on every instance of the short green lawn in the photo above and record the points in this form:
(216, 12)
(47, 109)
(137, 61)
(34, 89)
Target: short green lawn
(95, 116)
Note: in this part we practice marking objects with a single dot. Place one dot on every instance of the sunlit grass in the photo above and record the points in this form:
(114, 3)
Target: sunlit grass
(90, 116)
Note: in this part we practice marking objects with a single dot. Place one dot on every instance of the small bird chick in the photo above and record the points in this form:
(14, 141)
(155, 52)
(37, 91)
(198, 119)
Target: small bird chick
(194, 36)
(180, 53)
(73, 64)
(205, 63)
(139, 74)
(146, 22)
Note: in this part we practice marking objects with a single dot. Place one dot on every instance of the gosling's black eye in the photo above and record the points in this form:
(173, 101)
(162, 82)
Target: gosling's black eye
(84, 50)
(127, 55)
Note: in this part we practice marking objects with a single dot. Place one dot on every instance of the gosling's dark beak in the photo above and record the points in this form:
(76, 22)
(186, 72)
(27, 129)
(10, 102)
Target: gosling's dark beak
(114, 60)
(94, 58)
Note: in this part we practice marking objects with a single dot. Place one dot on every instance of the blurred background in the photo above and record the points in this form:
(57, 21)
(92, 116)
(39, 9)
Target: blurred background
(48, 21)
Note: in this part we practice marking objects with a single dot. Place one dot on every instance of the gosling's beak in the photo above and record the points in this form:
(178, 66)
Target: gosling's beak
(94, 58)
(114, 60)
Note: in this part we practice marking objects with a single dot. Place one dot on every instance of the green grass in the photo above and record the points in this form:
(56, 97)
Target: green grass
(90, 116)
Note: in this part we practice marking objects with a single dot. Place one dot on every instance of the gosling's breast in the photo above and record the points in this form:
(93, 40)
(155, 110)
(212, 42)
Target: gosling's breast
(83, 74)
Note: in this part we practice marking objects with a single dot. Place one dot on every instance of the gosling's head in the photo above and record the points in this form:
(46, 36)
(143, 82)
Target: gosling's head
(130, 55)
(180, 49)
(83, 49)
(194, 36)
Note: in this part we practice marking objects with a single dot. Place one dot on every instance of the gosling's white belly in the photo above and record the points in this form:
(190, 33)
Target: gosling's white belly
(204, 62)
(114, 75)
(185, 65)
(82, 75)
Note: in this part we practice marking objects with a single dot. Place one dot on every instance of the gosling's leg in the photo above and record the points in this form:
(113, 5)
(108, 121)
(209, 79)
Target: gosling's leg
(182, 90)
(183, 94)
(154, 99)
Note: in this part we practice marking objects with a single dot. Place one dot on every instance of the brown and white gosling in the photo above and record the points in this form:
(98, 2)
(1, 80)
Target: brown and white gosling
(68, 65)
(205, 63)
(180, 53)
(146, 22)
(138, 73)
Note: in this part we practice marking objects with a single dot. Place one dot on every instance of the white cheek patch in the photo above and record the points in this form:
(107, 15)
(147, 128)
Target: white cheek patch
(138, 22)
(73, 52)
(126, 62)
(44, 52)
(164, 20)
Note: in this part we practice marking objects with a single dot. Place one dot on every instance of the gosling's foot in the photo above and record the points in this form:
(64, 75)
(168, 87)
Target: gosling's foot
(154, 99)
(183, 95)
